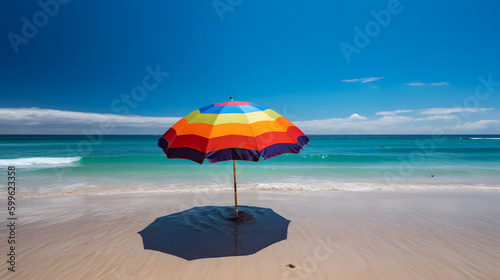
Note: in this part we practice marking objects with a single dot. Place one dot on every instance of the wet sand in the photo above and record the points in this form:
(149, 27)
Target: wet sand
(446, 234)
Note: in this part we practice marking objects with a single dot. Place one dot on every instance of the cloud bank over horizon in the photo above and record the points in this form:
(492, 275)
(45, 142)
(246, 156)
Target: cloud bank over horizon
(422, 121)
(48, 121)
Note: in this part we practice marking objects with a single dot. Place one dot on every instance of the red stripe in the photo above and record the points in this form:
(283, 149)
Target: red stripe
(246, 142)
(170, 135)
(258, 143)
(231, 141)
(274, 137)
(294, 132)
(190, 141)
(232, 103)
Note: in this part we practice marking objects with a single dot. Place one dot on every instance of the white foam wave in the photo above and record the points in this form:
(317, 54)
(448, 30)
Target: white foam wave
(97, 189)
(38, 161)
(484, 138)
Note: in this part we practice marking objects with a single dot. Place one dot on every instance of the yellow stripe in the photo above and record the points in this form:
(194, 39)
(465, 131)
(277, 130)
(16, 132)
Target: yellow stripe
(192, 115)
(204, 118)
(260, 116)
(272, 114)
(231, 118)
(215, 119)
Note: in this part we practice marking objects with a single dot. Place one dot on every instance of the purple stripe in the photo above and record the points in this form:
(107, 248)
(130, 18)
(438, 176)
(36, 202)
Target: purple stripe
(279, 149)
(186, 153)
(233, 154)
(302, 141)
(163, 144)
(182, 152)
(284, 148)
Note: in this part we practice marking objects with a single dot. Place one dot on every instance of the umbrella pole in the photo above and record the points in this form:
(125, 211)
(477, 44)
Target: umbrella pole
(235, 194)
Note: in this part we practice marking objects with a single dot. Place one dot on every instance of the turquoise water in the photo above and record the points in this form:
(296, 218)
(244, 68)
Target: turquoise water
(53, 165)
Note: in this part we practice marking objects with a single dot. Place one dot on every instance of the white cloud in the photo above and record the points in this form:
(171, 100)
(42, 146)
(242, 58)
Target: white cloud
(420, 84)
(36, 120)
(391, 113)
(357, 117)
(482, 124)
(437, 117)
(435, 111)
(363, 80)
(353, 124)
(440, 111)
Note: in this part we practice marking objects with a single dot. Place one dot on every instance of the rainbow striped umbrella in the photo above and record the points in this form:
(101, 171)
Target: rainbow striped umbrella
(232, 131)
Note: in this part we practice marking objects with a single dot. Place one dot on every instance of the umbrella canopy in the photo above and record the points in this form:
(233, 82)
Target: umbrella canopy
(209, 232)
(232, 131)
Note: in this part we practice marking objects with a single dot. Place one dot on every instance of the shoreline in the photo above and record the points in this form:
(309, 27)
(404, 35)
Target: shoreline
(450, 234)
(278, 187)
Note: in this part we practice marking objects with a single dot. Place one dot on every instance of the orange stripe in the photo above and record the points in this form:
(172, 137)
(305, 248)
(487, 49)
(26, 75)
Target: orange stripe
(178, 126)
(201, 129)
(212, 131)
(267, 126)
(284, 122)
(231, 129)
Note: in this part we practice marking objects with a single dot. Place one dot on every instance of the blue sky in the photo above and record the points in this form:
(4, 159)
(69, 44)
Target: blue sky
(67, 67)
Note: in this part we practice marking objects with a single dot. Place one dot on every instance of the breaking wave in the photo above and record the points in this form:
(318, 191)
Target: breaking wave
(39, 161)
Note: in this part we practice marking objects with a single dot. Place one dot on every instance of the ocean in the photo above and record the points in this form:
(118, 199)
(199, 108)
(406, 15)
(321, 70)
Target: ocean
(53, 165)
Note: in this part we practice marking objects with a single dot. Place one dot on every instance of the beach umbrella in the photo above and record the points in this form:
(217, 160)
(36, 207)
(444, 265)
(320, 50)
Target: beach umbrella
(232, 130)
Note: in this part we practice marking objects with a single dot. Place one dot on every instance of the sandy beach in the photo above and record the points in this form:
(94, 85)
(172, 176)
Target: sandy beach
(448, 234)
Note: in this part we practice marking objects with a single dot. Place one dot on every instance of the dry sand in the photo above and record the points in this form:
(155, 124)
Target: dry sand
(332, 235)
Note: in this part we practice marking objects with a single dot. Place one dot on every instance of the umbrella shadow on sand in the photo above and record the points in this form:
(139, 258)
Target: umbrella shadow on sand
(213, 231)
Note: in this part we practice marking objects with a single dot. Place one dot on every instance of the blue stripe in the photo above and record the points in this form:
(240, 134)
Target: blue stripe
(252, 108)
(260, 108)
(212, 110)
(203, 109)
(231, 109)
